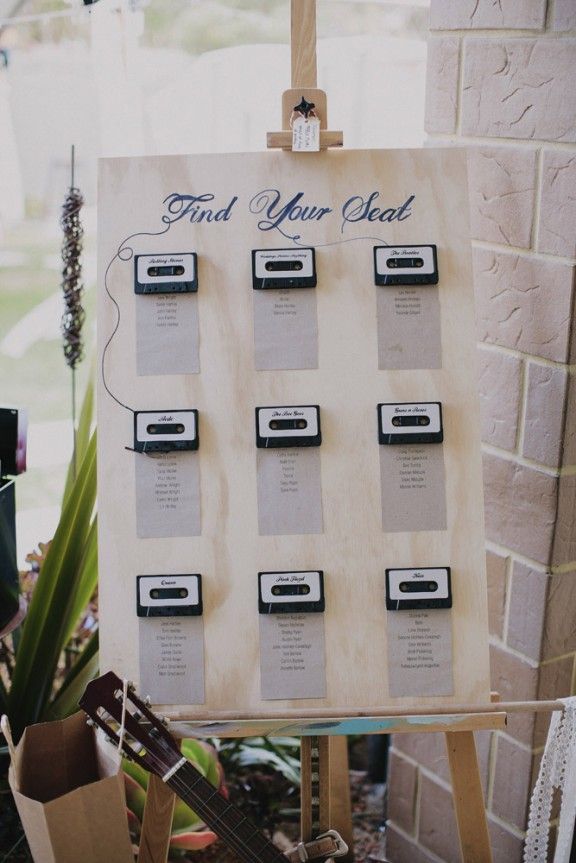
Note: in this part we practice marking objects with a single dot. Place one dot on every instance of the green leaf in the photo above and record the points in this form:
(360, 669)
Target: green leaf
(82, 436)
(49, 620)
(82, 672)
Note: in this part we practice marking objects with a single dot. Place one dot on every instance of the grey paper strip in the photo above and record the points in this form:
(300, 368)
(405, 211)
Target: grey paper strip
(172, 659)
(289, 491)
(167, 334)
(413, 486)
(292, 658)
(420, 652)
(409, 335)
(167, 494)
(285, 329)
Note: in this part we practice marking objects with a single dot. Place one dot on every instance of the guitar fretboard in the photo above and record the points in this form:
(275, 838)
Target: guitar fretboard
(225, 819)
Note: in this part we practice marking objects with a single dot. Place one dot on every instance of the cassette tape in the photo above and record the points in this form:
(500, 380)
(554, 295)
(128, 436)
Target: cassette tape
(283, 268)
(288, 426)
(411, 589)
(405, 265)
(290, 592)
(165, 431)
(169, 595)
(166, 274)
(410, 422)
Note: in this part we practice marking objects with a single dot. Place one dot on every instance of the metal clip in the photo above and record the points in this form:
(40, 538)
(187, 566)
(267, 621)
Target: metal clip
(341, 846)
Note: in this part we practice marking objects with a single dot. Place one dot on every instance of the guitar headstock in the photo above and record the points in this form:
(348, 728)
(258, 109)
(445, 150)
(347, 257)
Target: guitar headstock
(145, 738)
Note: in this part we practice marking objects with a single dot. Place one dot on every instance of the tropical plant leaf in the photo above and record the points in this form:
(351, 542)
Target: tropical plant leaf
(49, 619)
(82, 672)
(82, 436)
(192, 840)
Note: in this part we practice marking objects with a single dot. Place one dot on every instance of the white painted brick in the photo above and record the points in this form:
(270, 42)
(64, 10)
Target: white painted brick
(487, 14)
(520, 88)
(442, 84)
(564, 15)
(557, 233)
(501, 181)
(524, 303)
(499, 389)
(543, 425)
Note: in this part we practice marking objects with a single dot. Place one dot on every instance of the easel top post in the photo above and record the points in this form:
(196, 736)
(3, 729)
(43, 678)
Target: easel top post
(303, 43)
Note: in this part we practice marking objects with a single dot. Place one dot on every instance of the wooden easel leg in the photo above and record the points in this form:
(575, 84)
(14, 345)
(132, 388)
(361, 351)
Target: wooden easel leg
(325, 789)
(156, 823)
(468, 797)
(307, 744)
(335, 807)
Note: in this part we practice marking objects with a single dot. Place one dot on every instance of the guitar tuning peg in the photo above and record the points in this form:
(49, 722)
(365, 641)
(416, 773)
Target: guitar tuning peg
(90, 723)
(147, 701)
(131, 686)
(165, 722)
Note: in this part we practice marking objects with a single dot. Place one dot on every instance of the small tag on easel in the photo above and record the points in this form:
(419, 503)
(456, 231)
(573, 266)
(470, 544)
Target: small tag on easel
(305, 127)
(306, 134)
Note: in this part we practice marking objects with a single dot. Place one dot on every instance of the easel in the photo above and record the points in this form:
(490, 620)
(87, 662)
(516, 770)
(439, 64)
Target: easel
(325, 797)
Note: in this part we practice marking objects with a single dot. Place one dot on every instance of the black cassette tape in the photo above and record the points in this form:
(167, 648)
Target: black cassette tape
(405, 265)
(287, 426)
(169, 595)
(166, 431)
(166, 273)
(290, 592)
(410, 422)
(411, 589)
(283, 268)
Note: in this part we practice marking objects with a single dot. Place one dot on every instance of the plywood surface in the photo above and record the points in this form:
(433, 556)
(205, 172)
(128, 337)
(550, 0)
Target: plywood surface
(353, 550)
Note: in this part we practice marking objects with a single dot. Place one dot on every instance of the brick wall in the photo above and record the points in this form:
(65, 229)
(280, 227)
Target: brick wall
(501, 81)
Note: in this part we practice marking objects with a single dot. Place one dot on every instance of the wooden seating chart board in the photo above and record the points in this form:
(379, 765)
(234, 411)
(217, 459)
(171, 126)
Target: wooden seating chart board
(219, 511)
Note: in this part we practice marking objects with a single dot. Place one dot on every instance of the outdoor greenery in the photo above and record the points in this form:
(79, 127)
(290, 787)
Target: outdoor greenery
(35, 683)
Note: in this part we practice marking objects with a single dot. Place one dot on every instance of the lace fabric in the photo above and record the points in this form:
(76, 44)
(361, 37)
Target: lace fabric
(557, 770)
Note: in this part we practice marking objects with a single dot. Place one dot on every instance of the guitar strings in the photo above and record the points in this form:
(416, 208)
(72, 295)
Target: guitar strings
(237, 844)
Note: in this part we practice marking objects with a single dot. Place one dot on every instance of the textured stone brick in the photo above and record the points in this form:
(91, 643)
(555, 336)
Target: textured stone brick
(437, 830)
(496, 567)
(520, 507)
(442, 84)
(399, 849)
(564, 550)
(569, 450)
(512, 775)
(557, 234)
(520, 88)
(528, 591)
(515, 680)
(502, 181)
(555, 682)
(429, 750)
(524, 303)
(506, 847)
(564, 15)
(499, 377)
(402, 777)
(486, 14)
(543, 425)
(559, 635)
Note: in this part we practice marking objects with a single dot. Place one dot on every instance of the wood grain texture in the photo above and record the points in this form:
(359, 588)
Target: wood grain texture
(157, 822)
(353, 551)
(468, 798)
(336, 806)
(303, 43)
(399, 724)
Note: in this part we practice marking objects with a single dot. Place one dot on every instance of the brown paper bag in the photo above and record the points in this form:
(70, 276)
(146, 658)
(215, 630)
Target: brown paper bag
(69, 792)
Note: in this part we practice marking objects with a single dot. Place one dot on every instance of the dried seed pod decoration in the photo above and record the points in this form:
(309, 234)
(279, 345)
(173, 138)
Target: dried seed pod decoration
(72, 286)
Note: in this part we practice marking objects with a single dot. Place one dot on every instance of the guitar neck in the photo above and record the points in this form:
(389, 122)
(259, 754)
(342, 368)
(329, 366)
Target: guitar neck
(223, 817)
